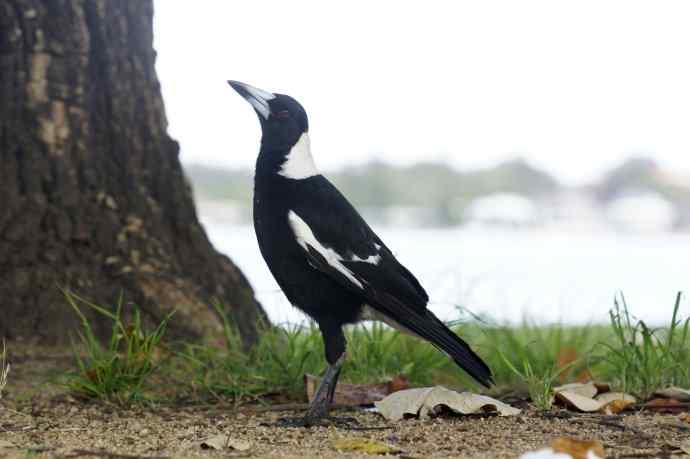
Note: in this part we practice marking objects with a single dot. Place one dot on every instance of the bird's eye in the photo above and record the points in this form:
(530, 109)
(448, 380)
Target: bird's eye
(282, 114)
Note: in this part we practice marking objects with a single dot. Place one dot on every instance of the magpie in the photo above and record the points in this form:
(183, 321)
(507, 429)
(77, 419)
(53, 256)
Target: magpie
(326, 259)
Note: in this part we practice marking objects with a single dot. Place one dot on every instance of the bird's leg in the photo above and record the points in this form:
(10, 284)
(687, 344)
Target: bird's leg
(331, 391)
(318, 412)
(323, 398)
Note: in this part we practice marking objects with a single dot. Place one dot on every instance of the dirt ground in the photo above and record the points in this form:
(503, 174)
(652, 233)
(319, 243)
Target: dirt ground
(38, 420)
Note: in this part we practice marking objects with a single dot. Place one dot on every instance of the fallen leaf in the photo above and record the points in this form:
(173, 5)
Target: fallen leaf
(582, 397)
(602, 387)
(677, 393)
(578, 401)
(587, 390)
(685, 417)
(664, 405)
(578, 449)
(615, 406)
(421, 402)
(222, 441)
(358, 394)
(615, 402)
(400, 382)
(363, 445)
(611, 396)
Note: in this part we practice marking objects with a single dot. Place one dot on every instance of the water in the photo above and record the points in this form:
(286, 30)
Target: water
(509, 275)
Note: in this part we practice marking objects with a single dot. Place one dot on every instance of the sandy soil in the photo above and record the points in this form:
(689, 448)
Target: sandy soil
(37, 420)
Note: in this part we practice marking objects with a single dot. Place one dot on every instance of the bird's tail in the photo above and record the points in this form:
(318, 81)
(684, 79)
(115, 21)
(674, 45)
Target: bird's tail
(427, 326)
(444, 339)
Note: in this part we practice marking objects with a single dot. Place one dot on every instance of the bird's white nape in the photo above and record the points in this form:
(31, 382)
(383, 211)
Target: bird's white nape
(305, 238)
(299, 164)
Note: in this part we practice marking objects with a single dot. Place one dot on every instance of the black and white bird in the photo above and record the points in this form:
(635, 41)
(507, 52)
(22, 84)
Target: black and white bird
(324, 256)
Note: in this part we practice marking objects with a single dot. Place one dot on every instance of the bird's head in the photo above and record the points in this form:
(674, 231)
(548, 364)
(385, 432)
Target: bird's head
(283, 120)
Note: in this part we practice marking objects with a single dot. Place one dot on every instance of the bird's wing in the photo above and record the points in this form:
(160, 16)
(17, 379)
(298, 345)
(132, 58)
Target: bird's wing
(348, 251)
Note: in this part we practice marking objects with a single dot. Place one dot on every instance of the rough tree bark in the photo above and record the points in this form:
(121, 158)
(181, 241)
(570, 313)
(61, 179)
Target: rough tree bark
(92, 194)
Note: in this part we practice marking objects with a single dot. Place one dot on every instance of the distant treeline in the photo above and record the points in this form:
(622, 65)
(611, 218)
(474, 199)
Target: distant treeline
(439, 187)
(379, 184)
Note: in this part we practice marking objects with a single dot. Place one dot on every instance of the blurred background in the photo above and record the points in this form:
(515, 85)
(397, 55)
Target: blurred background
(525, 160)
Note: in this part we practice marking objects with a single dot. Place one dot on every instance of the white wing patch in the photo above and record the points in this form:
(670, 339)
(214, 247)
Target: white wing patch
(305, 238)
(372, 259)
(299, 163)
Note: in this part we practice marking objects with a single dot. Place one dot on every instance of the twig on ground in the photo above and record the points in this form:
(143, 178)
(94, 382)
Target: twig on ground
(676, 407)
(293, 407)
(110, 455)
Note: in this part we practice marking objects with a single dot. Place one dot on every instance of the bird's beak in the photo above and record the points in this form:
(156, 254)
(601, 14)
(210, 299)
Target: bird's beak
(255, 96)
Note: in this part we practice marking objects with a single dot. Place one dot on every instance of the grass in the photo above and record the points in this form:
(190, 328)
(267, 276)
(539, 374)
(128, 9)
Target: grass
(539, 384)
(542, 348)
(4, 368)
(635, 358)
(276, 364)
(283, 355)
(116, 370)
(643, 359)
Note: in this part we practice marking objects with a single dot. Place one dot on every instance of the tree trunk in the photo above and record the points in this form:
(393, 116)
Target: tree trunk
(92, 194)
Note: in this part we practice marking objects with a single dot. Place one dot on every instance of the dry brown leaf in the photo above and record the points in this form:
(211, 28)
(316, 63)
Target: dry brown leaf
(664, 405)
(581, 397)
(363, 445)
(685, 417)
(615, 406)
(615, 402)
(602, 387)
(222, 441)
(421, 402)
(578, 449)
(357, 394)
(611, 396)
(676, 393)
(587, 390)
(579, 402)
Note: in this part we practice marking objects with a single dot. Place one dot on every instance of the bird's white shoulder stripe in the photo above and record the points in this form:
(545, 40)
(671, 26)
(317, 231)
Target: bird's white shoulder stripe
(305, 238)
(299, 163)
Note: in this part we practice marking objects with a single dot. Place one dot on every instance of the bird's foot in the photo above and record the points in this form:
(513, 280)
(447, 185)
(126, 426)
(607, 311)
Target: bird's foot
(317, 421)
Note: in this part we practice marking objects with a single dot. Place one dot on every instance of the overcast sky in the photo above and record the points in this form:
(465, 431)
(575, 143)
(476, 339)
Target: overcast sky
(574, 86)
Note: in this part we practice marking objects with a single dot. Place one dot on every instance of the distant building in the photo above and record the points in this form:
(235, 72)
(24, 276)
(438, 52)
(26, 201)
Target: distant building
(641, 211)
(410, 216)
(503, 209)
(574, 209)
